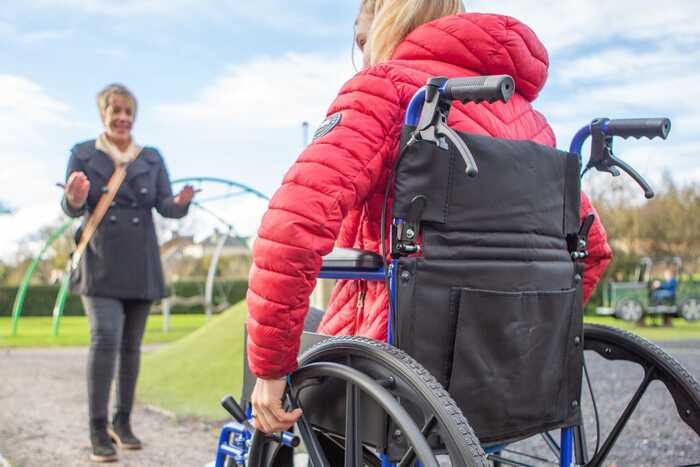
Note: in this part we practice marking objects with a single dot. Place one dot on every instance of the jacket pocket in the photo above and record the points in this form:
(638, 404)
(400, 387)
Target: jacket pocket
(513, 359)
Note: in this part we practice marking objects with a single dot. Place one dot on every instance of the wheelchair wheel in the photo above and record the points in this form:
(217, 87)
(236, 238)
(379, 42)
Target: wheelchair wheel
(633, 422)
(616, 345)
(441, 425)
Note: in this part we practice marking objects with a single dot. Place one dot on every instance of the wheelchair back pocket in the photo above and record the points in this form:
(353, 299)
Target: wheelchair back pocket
(516, 366)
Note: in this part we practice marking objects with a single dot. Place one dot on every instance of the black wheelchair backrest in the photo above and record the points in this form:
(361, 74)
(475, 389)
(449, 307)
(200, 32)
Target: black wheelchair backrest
(492, 305)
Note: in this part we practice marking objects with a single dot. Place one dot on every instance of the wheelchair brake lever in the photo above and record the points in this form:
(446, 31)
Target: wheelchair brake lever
(615, 163)
(443, 130)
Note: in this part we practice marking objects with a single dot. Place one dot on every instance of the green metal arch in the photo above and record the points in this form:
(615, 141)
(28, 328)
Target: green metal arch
(22, 290)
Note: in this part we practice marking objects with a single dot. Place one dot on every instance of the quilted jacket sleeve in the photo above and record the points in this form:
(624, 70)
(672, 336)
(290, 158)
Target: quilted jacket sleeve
(334, 174)
(599, 252)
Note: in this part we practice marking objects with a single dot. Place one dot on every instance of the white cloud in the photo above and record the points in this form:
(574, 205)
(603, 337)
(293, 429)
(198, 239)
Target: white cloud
(267, 93)
(25, 109)
(281, 15)
(564, 25)
(120, 7)
(623, 64)
(10, 33)
(27, 116)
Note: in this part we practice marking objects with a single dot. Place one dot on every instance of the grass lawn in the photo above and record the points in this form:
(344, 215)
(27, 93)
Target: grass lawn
(189, 377)
(681, 330)
(35, 331)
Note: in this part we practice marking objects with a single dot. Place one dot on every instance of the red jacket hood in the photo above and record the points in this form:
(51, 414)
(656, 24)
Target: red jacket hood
(485, 43)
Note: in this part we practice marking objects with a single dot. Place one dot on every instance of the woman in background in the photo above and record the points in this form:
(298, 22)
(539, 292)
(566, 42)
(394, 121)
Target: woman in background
(120, 273)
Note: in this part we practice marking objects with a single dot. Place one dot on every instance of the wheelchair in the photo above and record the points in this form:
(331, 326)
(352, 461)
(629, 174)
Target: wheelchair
(486, 340)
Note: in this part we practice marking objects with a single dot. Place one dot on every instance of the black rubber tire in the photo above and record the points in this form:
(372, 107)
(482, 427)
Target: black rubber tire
(455, 429)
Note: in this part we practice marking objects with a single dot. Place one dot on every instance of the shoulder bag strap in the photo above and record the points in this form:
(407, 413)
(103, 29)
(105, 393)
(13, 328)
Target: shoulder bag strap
(115, 181)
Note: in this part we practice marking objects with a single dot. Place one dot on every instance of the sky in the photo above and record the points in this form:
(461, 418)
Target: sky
(224, 86)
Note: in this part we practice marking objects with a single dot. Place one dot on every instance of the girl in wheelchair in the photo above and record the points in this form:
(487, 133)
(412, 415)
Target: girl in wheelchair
(333, 195)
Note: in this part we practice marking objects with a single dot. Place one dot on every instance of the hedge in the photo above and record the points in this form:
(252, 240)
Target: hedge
(41, 298)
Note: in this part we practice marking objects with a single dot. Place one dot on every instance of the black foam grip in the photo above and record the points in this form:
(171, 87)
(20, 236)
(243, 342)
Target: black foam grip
(480, 88)
(232, 407)
(639, 127)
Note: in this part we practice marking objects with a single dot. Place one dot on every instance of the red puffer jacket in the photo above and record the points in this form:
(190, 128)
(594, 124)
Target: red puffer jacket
(333, 194)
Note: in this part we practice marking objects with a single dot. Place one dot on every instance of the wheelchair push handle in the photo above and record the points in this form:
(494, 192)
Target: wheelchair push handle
(603, 131)
(479, 88)
(639, 127)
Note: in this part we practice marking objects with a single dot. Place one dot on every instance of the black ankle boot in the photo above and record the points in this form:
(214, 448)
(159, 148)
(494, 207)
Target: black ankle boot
(122, 434)
(102, 448)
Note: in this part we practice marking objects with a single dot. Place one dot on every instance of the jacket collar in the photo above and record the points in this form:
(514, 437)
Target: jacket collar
(485, 44)
(104, 166)
(101, 163)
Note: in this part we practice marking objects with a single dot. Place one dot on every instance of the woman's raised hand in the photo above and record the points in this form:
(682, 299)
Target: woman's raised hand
(185, 196)
(76, 190)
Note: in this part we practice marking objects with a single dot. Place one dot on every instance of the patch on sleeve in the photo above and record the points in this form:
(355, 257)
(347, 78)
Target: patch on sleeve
(327, 125)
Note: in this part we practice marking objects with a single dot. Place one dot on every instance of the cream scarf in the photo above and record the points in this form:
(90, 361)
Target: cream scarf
(105, 145)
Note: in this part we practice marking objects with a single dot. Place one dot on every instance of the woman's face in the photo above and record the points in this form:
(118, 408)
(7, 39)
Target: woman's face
(362, 25)
(118, 119)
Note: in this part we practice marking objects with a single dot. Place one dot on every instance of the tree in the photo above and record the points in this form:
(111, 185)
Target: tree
(661, 228)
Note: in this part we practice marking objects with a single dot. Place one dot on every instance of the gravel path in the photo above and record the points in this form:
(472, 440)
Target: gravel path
(43, 417)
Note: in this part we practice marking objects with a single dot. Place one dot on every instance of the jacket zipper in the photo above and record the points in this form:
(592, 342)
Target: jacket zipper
(360, 304)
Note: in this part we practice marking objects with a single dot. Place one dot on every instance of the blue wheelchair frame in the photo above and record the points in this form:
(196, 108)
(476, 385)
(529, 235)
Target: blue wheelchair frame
(602, 137)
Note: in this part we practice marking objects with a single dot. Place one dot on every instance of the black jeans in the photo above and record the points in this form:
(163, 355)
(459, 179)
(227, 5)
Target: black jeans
(116, 328)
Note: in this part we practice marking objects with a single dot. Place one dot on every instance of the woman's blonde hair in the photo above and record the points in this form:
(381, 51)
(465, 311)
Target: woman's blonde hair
(115, 89)
(393, 20)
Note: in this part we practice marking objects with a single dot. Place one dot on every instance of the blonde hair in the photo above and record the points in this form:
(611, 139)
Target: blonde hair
(115, 89)
(393, 20)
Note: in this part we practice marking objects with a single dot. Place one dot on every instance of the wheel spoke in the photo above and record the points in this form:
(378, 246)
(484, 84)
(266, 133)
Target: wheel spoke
(353, 442)
(503, 461)
(529, 456)
(317, 458)
(409, 458)
(624, 418)
(551, 444)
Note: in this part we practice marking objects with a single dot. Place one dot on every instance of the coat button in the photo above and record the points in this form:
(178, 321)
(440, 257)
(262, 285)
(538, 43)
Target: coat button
(113, 218)
(113, 204)
(104, 189)
(143, 190)
(135, 220)
(134, 204)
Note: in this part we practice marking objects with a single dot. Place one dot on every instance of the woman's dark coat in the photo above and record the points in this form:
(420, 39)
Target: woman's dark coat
(122, 259)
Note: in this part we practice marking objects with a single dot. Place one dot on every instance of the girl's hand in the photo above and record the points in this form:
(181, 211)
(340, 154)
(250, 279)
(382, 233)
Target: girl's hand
(77, 188)
(185, 196)
(268, 414)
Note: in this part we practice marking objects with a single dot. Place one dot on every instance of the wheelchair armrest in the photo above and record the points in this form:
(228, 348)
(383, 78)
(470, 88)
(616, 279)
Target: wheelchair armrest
(352, 258)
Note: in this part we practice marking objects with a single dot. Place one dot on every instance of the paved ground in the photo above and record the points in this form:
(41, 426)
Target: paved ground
(43, 417)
